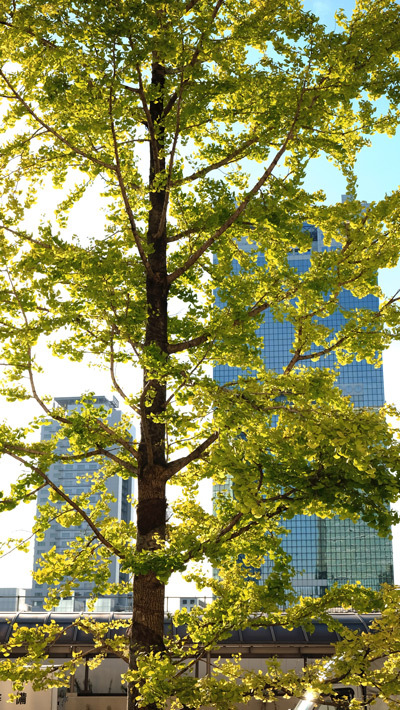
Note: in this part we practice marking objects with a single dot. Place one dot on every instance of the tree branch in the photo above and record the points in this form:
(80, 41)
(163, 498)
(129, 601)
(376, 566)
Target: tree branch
(95, 452)
(232, 157)
(53, 131)
(124, 193)
(180, 235)
(175, 466)
(30, 451)
(298, 357)
(41, 40)
(65, 458)
(29, 351)
(133, 89)
(170, 165)
(114, 380)
(23, 235)
(187, 344)
(57, 417)
(150, 125)
(19, 543)
(118, 439)
(125, 464)
(251, 313)
(241, 208)
(173, 98)
(67, 500)
(229, 527)
(186, 378)
(190, 5)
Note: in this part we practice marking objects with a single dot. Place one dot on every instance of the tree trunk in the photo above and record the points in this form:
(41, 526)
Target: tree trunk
(148, 592)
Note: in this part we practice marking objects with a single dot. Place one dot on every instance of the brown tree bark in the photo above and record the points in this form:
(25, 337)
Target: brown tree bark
(148, 592)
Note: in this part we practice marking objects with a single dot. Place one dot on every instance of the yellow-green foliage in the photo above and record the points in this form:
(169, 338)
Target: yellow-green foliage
(228, 101)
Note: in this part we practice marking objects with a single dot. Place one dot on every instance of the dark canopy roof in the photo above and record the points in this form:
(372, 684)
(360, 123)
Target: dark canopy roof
(268, 641)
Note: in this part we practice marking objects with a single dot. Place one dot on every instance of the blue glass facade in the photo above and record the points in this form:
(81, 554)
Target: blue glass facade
(74, 477)
(327, 551)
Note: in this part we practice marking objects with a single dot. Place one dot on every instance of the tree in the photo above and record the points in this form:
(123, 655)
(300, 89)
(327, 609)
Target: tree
(224, 104)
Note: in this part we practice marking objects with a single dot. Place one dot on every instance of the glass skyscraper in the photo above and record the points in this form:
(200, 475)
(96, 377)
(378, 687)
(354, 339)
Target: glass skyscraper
(326, 551)
(74, 478)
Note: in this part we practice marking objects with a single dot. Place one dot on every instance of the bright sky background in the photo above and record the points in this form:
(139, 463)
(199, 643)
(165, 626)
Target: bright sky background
(378, 174)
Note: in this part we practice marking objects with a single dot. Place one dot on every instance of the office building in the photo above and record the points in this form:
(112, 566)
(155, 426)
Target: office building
(72, 477)
(189, 603)
(14, 599)
(326, 551)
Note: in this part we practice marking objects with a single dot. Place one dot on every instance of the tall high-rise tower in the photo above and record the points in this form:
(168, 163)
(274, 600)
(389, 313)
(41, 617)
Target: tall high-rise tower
(72, 477)
(326, 551)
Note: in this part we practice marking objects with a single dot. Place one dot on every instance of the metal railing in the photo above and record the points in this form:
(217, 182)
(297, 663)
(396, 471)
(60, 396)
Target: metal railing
(79, 603)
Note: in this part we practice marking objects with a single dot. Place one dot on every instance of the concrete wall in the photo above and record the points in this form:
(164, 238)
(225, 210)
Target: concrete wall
(75, 702)
(32, 700)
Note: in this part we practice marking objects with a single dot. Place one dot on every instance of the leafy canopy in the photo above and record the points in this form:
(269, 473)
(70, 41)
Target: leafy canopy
(196, 122)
